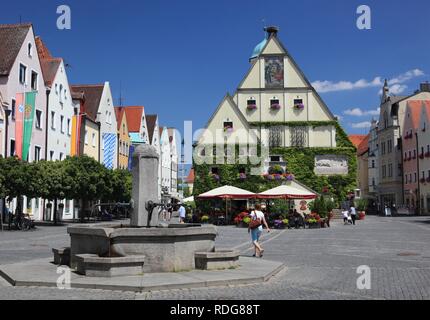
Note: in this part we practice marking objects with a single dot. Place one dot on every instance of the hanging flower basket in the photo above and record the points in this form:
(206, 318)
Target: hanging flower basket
(275, 106)
(289, 177)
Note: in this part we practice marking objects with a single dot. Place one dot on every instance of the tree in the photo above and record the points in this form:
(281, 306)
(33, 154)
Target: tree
(119, 188)
(53, 181)
(88, 180)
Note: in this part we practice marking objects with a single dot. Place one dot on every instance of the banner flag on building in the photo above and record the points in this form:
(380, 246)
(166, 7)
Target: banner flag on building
(29, 111)
(76, 135)
(130, 157)
(19, 117)
(109, 143)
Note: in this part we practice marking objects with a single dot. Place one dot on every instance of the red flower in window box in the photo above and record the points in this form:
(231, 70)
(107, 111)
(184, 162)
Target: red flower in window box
(275, 106)
(251, 106)
(421, 155)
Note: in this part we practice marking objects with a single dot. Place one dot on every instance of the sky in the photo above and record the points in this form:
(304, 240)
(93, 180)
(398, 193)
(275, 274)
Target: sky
(179, 58)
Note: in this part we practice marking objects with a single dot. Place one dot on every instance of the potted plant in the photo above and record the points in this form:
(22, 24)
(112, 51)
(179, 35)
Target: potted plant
(361, 208)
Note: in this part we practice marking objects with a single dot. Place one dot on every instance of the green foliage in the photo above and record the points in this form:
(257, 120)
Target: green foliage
(204, 218)
(285, 221)
(74, 178)
(120, 184)
(300, 162)
(342, 139)
(319, 206)
(279, 207)
(361, 204)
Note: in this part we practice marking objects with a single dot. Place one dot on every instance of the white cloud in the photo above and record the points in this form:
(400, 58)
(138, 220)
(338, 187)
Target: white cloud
(329, 86)
(361, 125)
(406, 76)
(357, 112)
(398, 88)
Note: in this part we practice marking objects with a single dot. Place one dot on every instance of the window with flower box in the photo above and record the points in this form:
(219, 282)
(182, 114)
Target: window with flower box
(298, 104)
(228, 126)
(274, 104)
(251, 104)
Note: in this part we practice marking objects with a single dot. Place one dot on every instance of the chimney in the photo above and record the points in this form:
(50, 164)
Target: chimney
(272, 30)
(425, 87)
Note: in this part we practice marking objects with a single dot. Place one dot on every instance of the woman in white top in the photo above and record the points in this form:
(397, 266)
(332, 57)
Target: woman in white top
(256, 233)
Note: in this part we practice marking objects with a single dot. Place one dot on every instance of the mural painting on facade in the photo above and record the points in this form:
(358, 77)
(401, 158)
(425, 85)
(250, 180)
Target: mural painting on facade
(274, 71)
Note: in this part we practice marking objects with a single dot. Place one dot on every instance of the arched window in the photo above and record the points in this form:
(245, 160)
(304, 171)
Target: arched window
(30, 49)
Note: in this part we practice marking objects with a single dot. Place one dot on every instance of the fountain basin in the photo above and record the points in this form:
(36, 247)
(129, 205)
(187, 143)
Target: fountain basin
(91, 265)
(165, 249)
(216, 260)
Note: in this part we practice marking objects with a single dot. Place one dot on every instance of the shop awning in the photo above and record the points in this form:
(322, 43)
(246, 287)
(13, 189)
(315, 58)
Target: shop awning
(227, 192)
(287, 192)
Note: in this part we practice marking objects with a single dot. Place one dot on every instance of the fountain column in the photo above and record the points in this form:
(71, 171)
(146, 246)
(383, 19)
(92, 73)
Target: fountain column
(145, 185)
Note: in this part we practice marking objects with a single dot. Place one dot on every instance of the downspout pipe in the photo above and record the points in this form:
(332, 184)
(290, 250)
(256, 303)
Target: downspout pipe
(418, 174)
(48, 92)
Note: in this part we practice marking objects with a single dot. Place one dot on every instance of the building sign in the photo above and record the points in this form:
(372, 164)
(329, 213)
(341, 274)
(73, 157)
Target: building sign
(274, 72)
(331, 165)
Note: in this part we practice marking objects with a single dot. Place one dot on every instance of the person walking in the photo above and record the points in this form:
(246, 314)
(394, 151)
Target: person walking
(182, 213)
(256, 229)
(345, 216)
(353, 213)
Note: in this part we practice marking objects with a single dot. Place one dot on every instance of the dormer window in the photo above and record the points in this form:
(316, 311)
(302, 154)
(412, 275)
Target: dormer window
(274, 104)
(251, 104)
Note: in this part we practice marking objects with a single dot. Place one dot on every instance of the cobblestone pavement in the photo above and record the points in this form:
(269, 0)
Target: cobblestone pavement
(320, 263)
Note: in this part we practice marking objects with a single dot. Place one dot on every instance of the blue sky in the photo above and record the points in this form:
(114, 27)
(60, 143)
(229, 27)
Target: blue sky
(179, 58)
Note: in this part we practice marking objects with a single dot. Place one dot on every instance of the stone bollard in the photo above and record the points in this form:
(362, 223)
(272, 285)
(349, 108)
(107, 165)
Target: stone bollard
(145, 185)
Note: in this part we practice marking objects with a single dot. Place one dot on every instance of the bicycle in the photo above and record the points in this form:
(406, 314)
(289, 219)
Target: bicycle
(22, 222)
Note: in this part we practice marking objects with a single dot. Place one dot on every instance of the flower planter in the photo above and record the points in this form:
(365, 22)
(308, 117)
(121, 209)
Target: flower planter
(314, 225)
(361, 215)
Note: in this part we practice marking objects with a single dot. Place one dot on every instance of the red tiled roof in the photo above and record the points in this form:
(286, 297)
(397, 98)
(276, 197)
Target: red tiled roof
(42, 50)
(356, 139)
(134, 117)
(363, 147)
(48, 63)
(49, 69)
(93, 95)
(151, 120)
(191, 176)
(119, 113)
(12, 37)
(161, 131)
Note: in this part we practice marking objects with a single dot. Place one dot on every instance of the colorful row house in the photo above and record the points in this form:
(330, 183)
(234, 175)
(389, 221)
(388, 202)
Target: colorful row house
(416, 156)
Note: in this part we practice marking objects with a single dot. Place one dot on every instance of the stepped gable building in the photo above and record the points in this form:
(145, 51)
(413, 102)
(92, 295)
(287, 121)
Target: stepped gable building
(275, 109)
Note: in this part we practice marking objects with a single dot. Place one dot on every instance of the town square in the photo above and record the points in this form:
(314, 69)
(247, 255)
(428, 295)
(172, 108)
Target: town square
(148, 152)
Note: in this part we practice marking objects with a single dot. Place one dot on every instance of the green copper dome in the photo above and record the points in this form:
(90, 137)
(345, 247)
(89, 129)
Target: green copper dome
(258, 49)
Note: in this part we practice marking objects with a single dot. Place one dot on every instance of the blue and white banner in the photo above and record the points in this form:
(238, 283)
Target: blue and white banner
(109, 152)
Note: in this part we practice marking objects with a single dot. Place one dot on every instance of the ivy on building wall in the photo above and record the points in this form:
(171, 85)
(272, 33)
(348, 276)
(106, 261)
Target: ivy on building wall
(341, 136)
(300, 162)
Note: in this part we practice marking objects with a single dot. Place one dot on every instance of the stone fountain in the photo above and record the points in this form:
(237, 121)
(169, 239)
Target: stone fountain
(145, 245)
